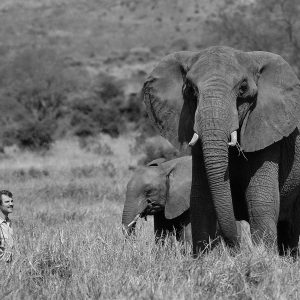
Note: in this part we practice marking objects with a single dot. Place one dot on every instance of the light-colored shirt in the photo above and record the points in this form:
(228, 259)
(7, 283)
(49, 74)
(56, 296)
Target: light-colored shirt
(6, 240)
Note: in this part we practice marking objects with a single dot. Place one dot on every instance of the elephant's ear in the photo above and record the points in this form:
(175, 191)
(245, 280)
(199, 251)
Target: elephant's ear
(156, 162)
(167, 107)
(277, 110)
(178, 190)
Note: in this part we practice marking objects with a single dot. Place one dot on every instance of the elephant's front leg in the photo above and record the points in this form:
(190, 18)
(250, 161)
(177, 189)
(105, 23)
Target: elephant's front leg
(262, 196)
(179, 226)
(162, 226)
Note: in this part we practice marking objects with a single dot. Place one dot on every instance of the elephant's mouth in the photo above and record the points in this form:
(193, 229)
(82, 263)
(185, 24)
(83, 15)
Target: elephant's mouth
(151, 209)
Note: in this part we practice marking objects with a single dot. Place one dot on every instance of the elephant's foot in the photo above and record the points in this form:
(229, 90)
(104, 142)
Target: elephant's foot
(264, 230)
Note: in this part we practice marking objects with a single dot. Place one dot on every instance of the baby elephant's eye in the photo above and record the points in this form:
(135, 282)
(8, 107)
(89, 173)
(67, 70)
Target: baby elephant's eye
(147, 193)
(243, 88)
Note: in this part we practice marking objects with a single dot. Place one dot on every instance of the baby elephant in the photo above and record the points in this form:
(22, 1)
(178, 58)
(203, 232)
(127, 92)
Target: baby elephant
(161, 189)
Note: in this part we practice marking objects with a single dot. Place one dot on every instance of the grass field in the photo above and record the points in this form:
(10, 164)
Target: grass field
(69, 244)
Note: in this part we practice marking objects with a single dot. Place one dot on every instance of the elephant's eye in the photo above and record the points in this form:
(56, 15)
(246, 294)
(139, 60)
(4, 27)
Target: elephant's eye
(243, 88)
(147, 193)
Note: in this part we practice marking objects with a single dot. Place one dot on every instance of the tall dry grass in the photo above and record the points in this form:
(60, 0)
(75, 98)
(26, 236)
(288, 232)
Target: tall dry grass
(69, 242)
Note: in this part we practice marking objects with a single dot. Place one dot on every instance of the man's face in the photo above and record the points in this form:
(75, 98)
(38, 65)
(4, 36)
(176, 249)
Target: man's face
(7, 204)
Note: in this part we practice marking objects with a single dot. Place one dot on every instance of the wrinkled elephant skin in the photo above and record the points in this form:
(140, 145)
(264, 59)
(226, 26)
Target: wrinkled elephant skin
(239, 113)
(172, 197)
(161, 189)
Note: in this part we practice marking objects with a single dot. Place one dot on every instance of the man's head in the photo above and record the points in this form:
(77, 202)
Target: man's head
(6, 202)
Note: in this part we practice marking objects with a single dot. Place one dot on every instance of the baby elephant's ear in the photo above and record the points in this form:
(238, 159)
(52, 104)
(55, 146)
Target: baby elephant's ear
(178, 193)
(277, 109)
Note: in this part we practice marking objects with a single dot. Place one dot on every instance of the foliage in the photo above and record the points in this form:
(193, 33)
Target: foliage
(180, 44)
(135, 113)
(36, 135)
(107, 88)
(133, 110)
(258, 25)
(155, 147)
(99, 110)
(106, 109)
(35, 81)
(93, 115)
(141, 54)
(95, 145)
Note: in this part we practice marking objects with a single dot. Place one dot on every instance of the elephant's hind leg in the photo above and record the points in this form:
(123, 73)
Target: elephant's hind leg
(161, 226)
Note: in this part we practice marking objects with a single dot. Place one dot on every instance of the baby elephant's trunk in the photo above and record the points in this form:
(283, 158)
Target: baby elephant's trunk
(131, 212)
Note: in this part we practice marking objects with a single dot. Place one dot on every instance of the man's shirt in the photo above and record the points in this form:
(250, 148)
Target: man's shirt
(6, 240)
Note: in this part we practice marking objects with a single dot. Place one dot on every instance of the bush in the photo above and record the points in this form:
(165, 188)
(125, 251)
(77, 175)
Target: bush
(105, 109)
(36, 83)
(99, 111)
(91, 116)
(108, 169)
(157, 147)
(107, 88)
(26, 174)
(180, 44)
(85, 171)
(35, 79)
(133, 110)
(141, 54)
(35, 135)
(95, 145)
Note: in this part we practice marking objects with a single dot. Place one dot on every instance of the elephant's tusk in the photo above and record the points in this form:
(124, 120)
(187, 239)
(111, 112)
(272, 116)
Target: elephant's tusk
(233, 137)
(134, 221)
(124, 230)
(194, 139)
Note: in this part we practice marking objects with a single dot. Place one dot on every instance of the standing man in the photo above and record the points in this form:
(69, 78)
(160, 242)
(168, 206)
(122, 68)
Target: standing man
(6, 232)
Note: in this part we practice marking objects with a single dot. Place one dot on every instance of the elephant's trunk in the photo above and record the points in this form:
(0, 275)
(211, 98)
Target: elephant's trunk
(215, 155)
(132, 209)
(210, 125)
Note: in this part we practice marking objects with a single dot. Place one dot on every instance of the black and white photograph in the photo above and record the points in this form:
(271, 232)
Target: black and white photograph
(149, 149)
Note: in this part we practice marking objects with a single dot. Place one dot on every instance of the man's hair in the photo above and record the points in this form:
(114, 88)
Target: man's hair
(5, 192)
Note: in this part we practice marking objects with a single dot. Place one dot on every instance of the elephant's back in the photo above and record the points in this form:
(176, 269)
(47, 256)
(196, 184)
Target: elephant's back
(183, 163)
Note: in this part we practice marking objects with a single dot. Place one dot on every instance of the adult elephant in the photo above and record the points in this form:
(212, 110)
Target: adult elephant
(221, 97)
